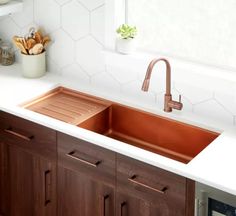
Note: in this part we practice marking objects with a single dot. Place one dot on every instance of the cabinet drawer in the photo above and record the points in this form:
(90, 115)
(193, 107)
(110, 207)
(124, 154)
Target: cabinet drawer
(28, 135)
(151, 183)
(86, 158)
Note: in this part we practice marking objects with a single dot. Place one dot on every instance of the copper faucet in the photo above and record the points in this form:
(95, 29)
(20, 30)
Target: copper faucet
(169, 103)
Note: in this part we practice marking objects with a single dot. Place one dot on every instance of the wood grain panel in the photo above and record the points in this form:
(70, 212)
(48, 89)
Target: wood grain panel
(176, 198)
(78, 155)
(41, 140)
(79, 195)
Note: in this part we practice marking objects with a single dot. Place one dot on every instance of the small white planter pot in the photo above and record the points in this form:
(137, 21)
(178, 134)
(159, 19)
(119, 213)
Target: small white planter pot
(33, 66)
(125, 46)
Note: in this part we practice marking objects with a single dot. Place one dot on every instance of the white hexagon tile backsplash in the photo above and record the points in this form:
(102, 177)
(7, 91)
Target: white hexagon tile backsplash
(77, 28)
(75, 19)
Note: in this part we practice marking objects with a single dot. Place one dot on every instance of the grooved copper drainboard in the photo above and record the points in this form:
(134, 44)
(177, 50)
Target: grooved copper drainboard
(173, 139)
(67, 106)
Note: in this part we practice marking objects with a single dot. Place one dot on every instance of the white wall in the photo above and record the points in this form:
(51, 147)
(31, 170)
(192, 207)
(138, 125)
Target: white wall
(77, 30)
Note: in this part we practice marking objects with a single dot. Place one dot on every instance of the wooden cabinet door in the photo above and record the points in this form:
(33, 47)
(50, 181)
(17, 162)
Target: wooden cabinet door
(144, 190)
(128, 205)
(80, 195)
(86, 178)
(31, 184)
(3, 179)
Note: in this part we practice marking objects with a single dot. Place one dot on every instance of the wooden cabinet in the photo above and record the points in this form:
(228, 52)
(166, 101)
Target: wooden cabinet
(29, 136)
(130, 205)
(82, 196)
(94, 181)
(3, 178)
(47, 173)
(28, 167)
(31, 184)
(144, 190)
(86, 179)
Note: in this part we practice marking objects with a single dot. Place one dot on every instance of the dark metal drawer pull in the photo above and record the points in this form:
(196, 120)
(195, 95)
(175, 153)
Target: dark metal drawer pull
(134, 181)
(122, 207)
(105, 200)
(21, 136)
(71, 155)
(47, 187)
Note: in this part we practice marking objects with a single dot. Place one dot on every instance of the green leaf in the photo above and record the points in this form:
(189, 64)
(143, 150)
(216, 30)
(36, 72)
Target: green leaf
(126, 31)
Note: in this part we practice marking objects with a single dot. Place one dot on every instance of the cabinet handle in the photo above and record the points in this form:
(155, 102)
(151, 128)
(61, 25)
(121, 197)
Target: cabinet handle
(71, 155)
(47, 187)
(105, 199)
(122, 208)
(21, 136)
(134, 181)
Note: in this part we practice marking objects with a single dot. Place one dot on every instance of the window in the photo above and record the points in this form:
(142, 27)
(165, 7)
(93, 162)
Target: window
(198, 30)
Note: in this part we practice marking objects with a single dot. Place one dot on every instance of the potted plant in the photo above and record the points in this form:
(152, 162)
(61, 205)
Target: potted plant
(126, 42)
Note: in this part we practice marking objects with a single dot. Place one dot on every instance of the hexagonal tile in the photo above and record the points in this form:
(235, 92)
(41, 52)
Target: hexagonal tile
(213, 112)
(121, 75)
(52, 66)
(75, 72)
(227, 100)
(98, 24)
(105, 82)
(192, 93)
(42, 9)
(92, 4)
(89, 56)
(26, 16)
(132, 91)
(10, 29)
(75, 19)
(62, 49)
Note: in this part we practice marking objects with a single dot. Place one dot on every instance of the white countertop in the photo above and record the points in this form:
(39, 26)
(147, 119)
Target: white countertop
(214, 166)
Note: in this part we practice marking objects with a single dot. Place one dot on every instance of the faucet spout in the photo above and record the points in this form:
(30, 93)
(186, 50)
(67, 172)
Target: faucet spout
(169, 103)
(146, 81)
(145, 85)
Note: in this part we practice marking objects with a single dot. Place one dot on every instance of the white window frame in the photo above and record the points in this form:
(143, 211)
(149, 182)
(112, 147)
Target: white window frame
(116, 13)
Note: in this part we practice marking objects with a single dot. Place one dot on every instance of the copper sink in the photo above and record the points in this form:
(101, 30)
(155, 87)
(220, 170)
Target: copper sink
(173, 139)
(157, 134)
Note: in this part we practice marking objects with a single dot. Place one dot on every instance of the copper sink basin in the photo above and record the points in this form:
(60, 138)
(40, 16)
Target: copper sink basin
(173, 139)
(160, 135)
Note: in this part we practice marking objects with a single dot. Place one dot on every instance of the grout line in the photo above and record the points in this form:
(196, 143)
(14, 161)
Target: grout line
(224, 107)
(100, 6)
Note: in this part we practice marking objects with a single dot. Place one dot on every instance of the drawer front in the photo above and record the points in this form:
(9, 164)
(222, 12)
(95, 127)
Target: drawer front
(86, 158)
(150, 183)
(28, 135)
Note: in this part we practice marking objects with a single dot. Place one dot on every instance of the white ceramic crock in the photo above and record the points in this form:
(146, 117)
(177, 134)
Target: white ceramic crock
(125, 46)
(34, 66)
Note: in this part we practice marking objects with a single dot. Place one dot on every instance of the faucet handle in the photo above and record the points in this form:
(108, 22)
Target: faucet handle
(176, 104)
